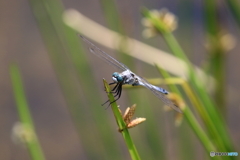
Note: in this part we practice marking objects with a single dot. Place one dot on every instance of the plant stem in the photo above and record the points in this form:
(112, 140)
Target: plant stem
(121, 124)
(24, 114)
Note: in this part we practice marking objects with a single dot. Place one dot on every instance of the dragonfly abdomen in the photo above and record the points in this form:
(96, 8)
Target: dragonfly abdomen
(160, 89)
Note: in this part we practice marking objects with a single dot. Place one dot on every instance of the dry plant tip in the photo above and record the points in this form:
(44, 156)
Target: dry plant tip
(128, 116)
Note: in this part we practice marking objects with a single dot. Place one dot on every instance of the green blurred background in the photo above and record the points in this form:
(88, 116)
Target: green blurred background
(63, 81)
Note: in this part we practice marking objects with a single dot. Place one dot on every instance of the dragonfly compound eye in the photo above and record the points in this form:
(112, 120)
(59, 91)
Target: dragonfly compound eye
(117, 77)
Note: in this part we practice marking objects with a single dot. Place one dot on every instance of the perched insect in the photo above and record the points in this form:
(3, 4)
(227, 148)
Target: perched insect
(128, 77)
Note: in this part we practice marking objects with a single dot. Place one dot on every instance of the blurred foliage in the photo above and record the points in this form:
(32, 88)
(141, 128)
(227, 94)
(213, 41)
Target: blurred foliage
(98, 137)
(208, 111)
(24, 131)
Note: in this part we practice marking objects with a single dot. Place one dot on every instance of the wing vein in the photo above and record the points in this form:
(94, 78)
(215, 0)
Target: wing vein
(104, 56)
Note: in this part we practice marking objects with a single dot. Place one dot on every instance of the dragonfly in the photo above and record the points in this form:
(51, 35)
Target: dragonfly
(128, 77)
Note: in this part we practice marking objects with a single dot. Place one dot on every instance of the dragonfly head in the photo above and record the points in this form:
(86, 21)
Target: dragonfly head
(117, 77)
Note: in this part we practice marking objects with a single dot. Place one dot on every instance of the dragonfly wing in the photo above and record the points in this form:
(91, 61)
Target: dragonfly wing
(104, 56)
(159, 94)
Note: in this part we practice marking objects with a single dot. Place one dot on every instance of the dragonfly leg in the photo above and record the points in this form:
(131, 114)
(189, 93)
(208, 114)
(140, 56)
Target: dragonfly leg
(112, 91)
(112, 83)
(105, 102)
(119, 92)
(116, 90)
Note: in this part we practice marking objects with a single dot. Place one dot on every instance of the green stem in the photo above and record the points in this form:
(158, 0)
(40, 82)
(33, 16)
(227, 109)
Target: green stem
(24, 114)
(121, 124)
(216, 52)
(234, 8)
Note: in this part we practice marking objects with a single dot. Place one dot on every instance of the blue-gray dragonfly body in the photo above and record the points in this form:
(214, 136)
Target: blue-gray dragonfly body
(128, 77)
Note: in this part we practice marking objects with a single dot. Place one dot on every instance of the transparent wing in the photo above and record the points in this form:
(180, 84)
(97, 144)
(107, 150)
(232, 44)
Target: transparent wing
(104, 56)
(159, 94)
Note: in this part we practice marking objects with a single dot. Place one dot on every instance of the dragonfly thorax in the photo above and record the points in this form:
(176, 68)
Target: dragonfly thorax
(125, 77)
